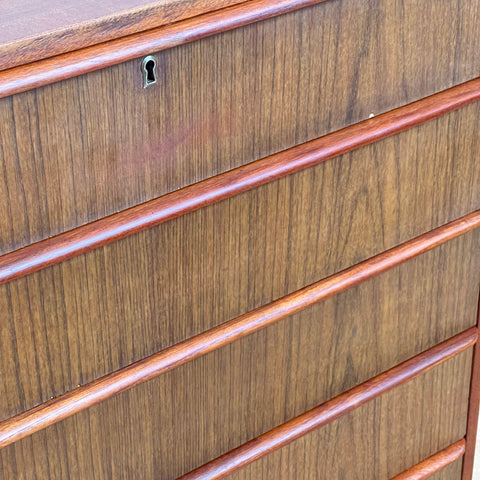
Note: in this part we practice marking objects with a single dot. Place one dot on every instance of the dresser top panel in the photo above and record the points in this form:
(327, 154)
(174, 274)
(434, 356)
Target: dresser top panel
(33, 30)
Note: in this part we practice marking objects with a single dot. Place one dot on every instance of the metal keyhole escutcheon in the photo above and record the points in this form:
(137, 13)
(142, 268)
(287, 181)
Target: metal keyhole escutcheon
(149, 69)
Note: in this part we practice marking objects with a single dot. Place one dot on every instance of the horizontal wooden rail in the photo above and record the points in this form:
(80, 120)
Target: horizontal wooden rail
(435, 463)
(127, 222)
(331, 410)
(109, 385)
(71, 64)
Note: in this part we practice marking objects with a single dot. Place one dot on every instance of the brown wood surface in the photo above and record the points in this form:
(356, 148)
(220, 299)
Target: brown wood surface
(331, 410)
(416, 419)
(451, 472)
(99, 390)
(178, 279)
(88, 147)
(473, 413)
(378, 440)
(68, 65)
(428, 467)
(104, 231)
(181, 419)
(31, 31)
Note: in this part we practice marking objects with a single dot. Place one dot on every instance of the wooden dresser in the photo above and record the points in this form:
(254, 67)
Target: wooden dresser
(239, 239)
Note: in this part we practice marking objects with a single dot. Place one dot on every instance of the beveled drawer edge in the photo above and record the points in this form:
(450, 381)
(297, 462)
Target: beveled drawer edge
(44, 72)
(66, 245)
(333, 409)
(99, 390)
(435, 463)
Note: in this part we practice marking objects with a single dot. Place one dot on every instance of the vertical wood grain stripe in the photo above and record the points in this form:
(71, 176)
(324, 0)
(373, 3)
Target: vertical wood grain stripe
(331, 410)
(435, 463)
(473, 412)
(44, 72)
(120, 380)
(66, 245)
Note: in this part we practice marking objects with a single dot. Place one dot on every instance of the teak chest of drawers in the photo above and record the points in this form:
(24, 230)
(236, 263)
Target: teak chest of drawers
(239, 239)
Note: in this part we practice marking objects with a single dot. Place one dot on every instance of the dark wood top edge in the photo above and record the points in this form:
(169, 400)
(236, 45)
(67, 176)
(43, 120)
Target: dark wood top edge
(473, 412)
(321, 415)
(98, 29)
(44, 72)
(85, 396)
(435, 463)
(82, 239)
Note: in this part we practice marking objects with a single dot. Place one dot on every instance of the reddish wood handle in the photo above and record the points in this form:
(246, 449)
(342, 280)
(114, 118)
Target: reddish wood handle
(105, 387)
(56, 249)
(435, 463)
(331, 410)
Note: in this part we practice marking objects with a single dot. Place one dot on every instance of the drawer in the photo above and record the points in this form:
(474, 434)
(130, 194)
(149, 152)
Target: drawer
(89, 146)
(74, 322)
(214, 403)
(383, 438)
(133, 436)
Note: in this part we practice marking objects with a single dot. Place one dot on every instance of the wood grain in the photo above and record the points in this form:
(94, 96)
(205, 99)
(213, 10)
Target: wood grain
(91, 146)
(179, 420)
(96, 57)
(77, 321)
(435, 463)
(32, 31)
(69, 155)
(321, 455)
(347, 448)
(319, 416)
(83, 397)
(102, 232)
(452, 471)
(473, 413)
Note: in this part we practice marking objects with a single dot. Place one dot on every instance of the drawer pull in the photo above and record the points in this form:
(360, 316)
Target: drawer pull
(82, 239)
(149, 70)
(127, 377)
(435, 463)
(333, 409)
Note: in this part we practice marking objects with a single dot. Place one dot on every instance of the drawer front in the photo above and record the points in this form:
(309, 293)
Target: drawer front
(68, 324)
(198, 411)
(382, 438)
(452, 472)
(132, 436)
(86, 147)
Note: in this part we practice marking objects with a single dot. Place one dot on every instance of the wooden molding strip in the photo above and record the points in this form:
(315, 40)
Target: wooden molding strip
(67, 65)
(329, 411)
(82, 239)
(87, 395)
(435, 463)
(42, 33)
(473, 412)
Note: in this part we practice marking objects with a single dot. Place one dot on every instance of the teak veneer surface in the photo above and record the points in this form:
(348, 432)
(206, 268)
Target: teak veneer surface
(31, 31)
(335, 408)
(76, 321)
(452, 472)
(80, 149)
(89, 146)
(473, 414)
(122, 379)
(66, 245)
(417, 419)
(437, 462)
(380, 439)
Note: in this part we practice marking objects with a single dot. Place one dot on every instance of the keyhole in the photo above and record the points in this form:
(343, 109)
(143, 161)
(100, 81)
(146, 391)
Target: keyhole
(149, 68)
